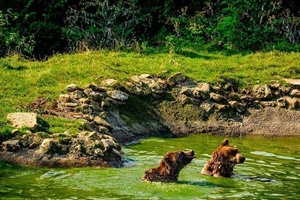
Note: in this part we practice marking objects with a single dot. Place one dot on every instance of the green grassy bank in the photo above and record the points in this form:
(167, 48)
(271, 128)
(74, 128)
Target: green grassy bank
(21, 81)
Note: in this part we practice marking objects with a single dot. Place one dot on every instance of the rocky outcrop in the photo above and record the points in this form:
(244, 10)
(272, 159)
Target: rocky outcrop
(224, 109)
(63, 150)
(183, 106)
(119, 111)
(148, 105)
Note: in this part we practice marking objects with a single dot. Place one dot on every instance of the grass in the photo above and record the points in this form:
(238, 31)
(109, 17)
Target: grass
(21, 81)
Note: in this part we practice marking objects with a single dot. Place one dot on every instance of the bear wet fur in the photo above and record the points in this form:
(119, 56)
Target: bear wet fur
(222, 161)
(170, 166)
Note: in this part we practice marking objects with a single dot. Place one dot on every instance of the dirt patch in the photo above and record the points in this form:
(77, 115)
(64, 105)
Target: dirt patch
(272, 122)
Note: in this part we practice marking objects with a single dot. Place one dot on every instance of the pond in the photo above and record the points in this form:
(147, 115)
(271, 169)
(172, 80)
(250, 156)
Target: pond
(271, 171)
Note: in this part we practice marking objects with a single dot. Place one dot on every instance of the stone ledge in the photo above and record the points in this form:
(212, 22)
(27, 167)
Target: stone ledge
(22, 119)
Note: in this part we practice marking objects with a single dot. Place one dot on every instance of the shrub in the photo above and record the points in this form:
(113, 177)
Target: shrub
(97, 24)
(244, 25)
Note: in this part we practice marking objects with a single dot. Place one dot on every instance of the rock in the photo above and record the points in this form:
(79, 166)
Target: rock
(98, 152)
(146, 76)
(175, 79)
(15, 131)
(146, 84)
(203, 87)
(268, 103)
(100, 121)
(186, 91)
(96, 96)
(221, 107)
(11, 145)
(103, 130)
(84, 101)
(118, 95)
(21, 119)
(109, 82)
(234, 96)
(293, 103)
(247, 98)
(117, 153)
(282, 102)
(230, 86)
(262, 92)
(184, 99)
(95, 106)
(237, 106)
(71, 105)
(64, 98)
(48, 146)
(77, 94)
(109, 144)
(88, 91)
(208, 107)
(105, 103)
(83, 134)
(96, 88)
(86, 109)
(201, 91)
(274, 86)
(284, 90)
(76, 149)
(85, 149)
(133, 88)
(295, 82)
(295, 93)
(72, 88)
(94, 136)
(136, 79)
(217, 98)
(155, 87)
(31, 141)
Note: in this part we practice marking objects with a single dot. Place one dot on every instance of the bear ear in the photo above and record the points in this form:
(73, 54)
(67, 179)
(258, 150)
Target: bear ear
(224, 143)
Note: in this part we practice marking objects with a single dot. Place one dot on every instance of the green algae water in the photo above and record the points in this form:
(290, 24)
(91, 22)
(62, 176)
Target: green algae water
(271, 171)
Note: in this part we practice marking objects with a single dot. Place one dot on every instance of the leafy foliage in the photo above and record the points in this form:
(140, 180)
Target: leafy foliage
(97, 24)
(243, 24)
(38, 29)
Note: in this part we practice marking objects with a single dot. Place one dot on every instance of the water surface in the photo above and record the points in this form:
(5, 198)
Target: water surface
(271, 171)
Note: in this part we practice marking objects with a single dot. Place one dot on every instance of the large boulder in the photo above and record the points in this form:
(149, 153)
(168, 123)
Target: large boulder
(23, 119)
(262, 92)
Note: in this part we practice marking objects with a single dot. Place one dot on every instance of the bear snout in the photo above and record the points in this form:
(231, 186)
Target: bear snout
(190, 154)
(241, 159)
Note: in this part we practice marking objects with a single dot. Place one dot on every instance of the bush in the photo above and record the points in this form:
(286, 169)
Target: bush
(243, 25)
(97, 24)
(38, 29)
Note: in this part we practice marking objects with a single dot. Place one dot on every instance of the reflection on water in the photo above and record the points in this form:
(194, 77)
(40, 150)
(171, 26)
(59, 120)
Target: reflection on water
(271, 171)
(263, 153)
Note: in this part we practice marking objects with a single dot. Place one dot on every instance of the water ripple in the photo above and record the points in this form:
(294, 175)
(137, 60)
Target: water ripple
(263, 153)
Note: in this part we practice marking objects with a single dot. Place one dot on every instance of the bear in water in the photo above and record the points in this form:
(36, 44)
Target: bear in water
(222, 161)
(170, 166)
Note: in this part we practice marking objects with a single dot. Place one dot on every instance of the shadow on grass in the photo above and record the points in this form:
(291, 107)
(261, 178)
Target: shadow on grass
(191, 54)
(17, 68)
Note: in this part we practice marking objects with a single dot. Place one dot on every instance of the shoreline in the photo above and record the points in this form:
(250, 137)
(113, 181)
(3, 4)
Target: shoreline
(144, 106)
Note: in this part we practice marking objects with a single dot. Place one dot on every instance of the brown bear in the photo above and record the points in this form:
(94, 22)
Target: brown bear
(169, 167)
(223, 160)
